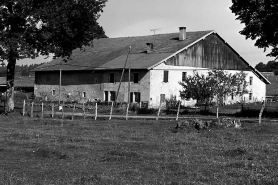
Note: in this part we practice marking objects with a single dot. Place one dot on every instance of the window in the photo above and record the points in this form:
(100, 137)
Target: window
(111, 78)
(162, 98)
(135, 77)
(232, 96)
(53, 92)
(183, 76)
(106, 96)
(96, 80)
(131, 97)
(137, 97)
(165, 76)
(250, 96)
(251, 80)
(83, 94)
(112, 95)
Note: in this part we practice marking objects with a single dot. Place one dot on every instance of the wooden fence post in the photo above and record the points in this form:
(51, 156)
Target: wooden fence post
(158, 111)
(23, 109)
(84, 111)
(140, 105)
(32, 109)
(96, 112)
(261, 112)
(73, 112)
(111, 110)
(63, 110)
(42, 110)
(52, 110)
(126, 116)
(178, 111)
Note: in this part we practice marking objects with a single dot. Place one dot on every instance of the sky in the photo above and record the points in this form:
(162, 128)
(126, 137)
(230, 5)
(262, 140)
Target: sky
(123, 18)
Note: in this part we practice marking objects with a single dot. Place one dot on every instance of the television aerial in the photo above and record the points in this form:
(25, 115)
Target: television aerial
(155, 29)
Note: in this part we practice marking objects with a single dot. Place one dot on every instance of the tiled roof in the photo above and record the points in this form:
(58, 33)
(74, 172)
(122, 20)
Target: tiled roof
(111, 53)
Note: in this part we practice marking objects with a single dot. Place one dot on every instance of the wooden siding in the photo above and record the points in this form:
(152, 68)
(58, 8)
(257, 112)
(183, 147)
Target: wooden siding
(212, 53)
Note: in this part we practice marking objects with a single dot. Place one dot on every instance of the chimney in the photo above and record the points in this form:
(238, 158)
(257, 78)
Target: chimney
(182, 35)
(149, 47)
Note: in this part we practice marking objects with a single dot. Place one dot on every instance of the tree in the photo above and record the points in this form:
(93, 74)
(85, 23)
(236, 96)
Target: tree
(218, 85)
(197, 87)
(261, 22)
(29, 28)
(225, 84)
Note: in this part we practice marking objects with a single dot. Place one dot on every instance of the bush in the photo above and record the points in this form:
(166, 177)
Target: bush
(146, 111)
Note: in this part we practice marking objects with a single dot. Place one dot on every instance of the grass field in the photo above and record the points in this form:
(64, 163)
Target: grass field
(53, 151)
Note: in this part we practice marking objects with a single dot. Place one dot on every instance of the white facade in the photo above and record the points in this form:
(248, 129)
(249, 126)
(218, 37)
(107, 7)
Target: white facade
(160, 89)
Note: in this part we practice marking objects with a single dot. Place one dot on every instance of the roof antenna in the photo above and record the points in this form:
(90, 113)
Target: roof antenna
(156, 29)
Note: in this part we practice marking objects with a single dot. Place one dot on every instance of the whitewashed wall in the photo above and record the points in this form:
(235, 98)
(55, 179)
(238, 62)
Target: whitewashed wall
(172, 87)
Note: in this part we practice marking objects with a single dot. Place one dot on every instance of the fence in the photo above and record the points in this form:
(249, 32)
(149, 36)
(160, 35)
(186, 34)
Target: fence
(92, 109)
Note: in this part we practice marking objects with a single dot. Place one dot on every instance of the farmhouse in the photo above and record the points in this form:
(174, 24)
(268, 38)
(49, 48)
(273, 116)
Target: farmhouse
(156, 65)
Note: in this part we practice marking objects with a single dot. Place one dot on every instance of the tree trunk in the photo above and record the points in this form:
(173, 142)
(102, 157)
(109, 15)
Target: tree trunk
(10, 84)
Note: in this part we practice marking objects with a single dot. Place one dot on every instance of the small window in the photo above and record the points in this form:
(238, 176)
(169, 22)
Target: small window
(83, 94)
(106, 96)
(112, 95)
(137, 97)
(53, 92)
(131, 97)
(251, 80)
(183, 76)
(96, 80)
(111, 79)
(136, 77)
(250, 96)
(165, 76)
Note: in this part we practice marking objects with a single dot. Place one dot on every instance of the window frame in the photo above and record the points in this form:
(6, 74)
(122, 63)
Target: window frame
(165, 76)
(112, 80)
(183, 76)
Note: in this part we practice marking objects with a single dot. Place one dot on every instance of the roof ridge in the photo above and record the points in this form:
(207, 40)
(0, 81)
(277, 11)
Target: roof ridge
(154, 35)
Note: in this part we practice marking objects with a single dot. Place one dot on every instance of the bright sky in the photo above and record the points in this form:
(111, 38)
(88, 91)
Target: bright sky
(123, 18)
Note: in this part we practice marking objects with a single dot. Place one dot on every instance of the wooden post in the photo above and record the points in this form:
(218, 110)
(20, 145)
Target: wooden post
(52, 110)
(63, 110)
(32, 109)
(84, 111)
(158, 111)
(178, 111)
(261, 112)
(140, 105)
(42, 111)
(23, 109)
(73, 112)
(96, 112)
(126, 116)
(111, 110)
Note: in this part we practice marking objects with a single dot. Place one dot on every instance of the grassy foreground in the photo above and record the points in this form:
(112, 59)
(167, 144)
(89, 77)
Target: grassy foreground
(45, 151)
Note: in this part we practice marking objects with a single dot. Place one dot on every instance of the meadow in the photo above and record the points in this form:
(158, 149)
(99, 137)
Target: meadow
(56, 151)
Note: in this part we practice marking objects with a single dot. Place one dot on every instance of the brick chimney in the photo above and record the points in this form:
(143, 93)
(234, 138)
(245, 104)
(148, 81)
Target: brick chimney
(182, 35)
(149, 47)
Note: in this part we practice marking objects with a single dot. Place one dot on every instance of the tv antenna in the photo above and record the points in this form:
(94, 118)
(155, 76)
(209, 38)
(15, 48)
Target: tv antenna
(156, 29)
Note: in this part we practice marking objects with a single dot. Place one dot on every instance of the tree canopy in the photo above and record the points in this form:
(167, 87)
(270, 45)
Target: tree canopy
(261, 22)
(270, 66)
(29, 28)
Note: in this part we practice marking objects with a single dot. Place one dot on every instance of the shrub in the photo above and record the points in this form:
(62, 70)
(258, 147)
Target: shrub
(146, 111)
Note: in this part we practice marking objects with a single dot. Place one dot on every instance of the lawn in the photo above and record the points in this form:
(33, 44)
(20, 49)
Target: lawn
(53, 151)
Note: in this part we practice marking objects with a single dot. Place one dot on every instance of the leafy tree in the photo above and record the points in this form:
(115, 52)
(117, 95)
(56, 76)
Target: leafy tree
(218, 85)
(198, 87)
(29, 28)
(225, 84)
(261, 22)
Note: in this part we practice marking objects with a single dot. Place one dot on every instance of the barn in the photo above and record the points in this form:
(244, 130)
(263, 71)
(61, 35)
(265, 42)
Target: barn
(154, 65)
